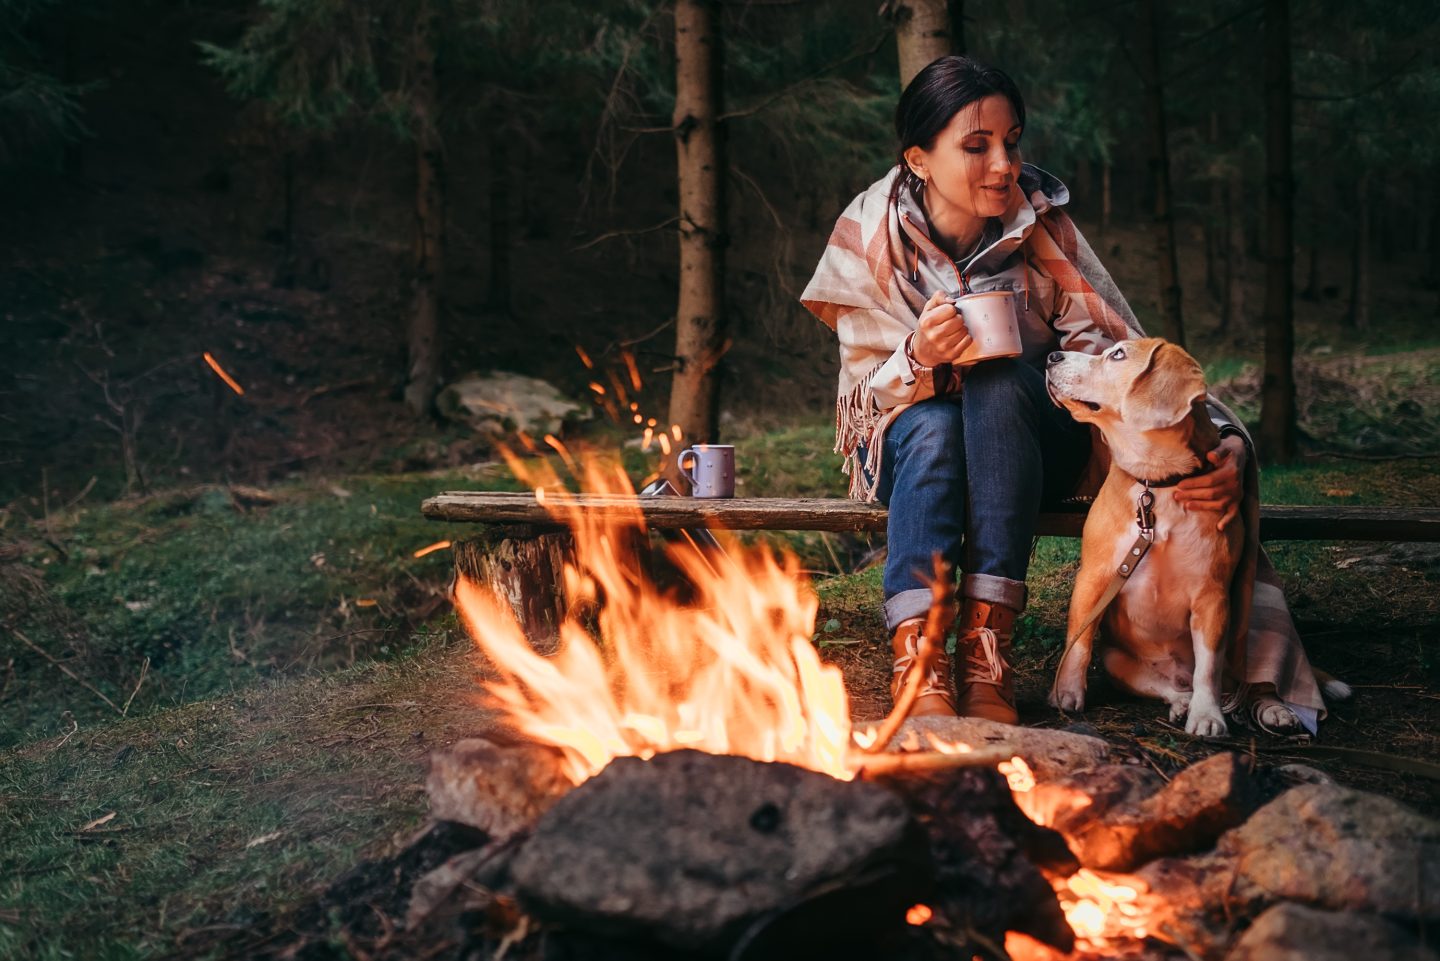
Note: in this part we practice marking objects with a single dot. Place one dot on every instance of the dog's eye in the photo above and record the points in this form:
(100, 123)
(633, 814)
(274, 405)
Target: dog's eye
(1117, 354)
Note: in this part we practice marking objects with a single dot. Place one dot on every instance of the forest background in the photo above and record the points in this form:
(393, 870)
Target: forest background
(347, 204)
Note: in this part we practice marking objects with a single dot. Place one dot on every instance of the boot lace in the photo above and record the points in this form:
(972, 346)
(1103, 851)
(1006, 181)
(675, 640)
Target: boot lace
(984, 664)
(907, 660)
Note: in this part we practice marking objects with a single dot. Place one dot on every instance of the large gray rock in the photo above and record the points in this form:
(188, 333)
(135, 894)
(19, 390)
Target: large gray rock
(1337, 848)
(502, 402)
(699, 851)
(499, 788)
(1293, 932)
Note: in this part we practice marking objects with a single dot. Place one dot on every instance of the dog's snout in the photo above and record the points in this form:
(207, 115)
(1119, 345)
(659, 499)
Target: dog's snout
(1056, 356)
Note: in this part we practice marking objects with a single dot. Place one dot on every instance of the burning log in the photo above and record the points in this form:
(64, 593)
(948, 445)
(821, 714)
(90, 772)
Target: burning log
(985, 852)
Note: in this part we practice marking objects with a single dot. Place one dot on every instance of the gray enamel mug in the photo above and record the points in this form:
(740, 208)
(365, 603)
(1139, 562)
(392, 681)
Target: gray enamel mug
(712, 473)
(994, 328)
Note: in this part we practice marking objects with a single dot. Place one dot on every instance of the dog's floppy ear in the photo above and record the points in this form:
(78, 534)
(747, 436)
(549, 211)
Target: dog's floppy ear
(1165, 390)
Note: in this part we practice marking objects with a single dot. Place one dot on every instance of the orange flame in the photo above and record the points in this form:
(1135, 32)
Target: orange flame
(733, 671)
(918, 914)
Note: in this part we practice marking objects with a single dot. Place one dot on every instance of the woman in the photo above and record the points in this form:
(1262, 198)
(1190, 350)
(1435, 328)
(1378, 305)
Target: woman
(966, 456)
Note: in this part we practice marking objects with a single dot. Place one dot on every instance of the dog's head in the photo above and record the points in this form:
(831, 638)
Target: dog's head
(1139, 385)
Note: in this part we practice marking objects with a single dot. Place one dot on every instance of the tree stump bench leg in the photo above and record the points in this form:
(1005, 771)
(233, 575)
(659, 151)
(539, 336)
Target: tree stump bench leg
(525, 567)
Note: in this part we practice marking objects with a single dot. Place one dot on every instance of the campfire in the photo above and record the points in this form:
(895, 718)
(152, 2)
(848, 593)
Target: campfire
(730, 669)
(680, 777)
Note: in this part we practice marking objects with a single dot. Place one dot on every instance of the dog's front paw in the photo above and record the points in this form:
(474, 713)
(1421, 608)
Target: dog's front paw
(1179, 707)
(1068, 698)
(1206, 722)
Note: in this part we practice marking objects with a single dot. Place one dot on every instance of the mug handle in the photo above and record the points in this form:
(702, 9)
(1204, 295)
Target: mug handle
(680, 465)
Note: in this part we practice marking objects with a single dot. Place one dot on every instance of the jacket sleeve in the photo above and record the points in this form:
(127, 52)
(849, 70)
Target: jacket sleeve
(1076, 327)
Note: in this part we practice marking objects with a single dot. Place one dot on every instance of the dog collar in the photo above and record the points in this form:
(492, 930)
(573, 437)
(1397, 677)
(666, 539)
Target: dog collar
(1174, 479)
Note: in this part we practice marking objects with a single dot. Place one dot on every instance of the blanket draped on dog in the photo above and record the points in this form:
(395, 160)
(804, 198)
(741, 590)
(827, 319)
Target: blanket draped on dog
(869, 289)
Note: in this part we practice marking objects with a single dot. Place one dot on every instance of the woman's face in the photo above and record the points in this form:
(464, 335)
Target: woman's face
(972, 169)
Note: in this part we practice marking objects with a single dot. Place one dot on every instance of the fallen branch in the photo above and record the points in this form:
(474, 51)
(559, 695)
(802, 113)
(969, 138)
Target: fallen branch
(68, 673)
(921, 762)
(144, 670)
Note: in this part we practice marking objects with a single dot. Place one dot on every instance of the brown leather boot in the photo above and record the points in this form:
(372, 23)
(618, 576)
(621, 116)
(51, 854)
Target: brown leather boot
(985, 681)
(937, 697)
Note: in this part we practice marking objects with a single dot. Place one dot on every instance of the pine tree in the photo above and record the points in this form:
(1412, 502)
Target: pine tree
(318, 64)
(38, 110)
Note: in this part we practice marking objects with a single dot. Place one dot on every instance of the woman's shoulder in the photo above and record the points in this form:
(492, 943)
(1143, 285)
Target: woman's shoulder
(874, 197)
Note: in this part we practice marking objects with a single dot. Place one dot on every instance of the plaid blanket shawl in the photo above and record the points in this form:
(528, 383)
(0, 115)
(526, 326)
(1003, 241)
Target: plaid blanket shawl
(866, 291)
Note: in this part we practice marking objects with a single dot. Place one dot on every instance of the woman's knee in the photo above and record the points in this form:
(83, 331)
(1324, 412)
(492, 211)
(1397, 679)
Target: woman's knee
(1007, 378)
(932, 425)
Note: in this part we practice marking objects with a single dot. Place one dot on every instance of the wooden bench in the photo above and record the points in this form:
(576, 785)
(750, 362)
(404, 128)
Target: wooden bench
(525, 562)
(1277, 522)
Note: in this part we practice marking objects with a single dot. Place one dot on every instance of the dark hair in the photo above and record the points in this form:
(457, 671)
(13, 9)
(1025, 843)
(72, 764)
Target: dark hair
(935, 96)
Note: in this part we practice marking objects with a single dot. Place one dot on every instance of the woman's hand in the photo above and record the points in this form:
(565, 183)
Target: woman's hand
(1221, 488)
(941, 335)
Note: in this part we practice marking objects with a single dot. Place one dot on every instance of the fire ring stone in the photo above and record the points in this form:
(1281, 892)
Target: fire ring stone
(698, 851)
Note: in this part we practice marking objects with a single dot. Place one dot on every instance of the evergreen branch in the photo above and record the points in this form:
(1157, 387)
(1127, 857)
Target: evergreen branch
(1223, 24)
(803, 81)
(612, 234)
(1399, 72)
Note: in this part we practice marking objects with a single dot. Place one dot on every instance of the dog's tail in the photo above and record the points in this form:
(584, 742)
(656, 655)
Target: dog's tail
(1334, 688)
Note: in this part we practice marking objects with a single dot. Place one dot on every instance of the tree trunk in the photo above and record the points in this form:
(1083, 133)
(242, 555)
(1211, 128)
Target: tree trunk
(499, 297)
(1232, 305)
(1277, 394)
(700, 158)
(1214, 219)
(1312, 273)
(923, 32)
(423, 377)
(956, 9)
(1359, 316)
(1173, 324)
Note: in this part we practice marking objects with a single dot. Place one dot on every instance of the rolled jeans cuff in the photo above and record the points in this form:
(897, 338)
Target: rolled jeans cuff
(993, 589)
(907, 605)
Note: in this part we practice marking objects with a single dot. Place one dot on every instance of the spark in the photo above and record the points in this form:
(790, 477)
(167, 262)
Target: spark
(634, 371)
(431, 548)
(229, 381)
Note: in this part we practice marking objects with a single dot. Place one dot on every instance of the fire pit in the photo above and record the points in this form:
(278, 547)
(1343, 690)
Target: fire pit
(682, 778)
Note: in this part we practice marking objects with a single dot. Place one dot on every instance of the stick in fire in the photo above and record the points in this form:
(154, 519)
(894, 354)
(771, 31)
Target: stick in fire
(937, 624)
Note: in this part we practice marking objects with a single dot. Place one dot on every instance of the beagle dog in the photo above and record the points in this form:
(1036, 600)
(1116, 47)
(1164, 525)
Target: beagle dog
(1167, 630)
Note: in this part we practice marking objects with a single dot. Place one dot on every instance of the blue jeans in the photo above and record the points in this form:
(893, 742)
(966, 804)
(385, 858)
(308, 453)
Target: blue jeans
(966, 475)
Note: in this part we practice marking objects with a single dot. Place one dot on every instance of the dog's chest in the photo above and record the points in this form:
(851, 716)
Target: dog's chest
(1183, 562)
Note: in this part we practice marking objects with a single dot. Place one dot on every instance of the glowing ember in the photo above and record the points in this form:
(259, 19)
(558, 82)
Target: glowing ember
(919, 914)
(1101, 909)
(1018, 774)
(229, 381)
(731, 672)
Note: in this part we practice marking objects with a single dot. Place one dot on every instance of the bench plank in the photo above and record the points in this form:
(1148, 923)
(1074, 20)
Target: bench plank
(1277, 522)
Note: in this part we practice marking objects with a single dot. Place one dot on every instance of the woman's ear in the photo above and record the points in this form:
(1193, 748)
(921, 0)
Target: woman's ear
(916, 159)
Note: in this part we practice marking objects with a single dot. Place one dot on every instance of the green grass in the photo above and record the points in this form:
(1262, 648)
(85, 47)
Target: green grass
(223, 810)
(216, 594)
